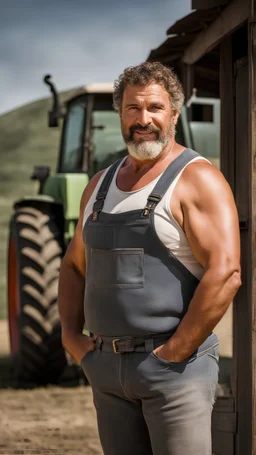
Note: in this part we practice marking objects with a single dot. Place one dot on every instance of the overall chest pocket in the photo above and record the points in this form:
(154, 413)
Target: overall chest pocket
(121, 268)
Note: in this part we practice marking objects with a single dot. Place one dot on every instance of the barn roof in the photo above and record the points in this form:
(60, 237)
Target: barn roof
(181, 34)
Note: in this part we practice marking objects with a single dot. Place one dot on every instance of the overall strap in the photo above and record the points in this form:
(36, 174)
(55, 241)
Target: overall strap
(167, 178)
(104, 187)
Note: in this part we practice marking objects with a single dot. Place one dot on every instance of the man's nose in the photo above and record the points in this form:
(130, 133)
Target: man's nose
(144, 117)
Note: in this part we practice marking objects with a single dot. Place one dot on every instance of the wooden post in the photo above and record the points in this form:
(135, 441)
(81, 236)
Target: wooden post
(227, 158)
(227, 162)
(243, 300)
(188, 79)
(252, 148)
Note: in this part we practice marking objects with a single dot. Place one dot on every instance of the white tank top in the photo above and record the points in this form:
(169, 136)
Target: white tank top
(167, 228)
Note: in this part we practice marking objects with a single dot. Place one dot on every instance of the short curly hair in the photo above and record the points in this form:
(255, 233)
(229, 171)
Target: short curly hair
(148, 73)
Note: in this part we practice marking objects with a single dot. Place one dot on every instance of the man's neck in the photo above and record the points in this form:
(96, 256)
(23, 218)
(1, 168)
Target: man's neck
(133, 177)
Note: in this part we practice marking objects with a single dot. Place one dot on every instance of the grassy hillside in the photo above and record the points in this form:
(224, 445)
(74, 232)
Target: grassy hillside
(25, 141)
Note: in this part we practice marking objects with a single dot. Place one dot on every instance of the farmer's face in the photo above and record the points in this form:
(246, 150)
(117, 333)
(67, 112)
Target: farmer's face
(147, 120)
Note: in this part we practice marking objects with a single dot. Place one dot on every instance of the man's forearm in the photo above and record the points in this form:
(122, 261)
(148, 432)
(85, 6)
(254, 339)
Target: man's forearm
(70, 299)
(209, 303)
(71, 308)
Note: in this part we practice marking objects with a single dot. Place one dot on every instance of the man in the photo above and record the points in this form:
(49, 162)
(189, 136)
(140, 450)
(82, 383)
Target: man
(155, 259)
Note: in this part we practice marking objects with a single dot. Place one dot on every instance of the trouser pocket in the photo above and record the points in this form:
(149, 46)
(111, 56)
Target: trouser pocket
(214, 353)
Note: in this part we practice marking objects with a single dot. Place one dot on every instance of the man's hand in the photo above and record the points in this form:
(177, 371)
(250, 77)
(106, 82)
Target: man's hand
(165, 353)
(78, 345)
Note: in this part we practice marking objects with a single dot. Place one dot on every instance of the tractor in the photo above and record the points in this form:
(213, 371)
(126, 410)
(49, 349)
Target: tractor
(42, 226)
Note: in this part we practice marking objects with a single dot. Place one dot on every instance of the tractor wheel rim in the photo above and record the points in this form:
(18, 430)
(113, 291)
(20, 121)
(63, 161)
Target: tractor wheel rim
(13, 298)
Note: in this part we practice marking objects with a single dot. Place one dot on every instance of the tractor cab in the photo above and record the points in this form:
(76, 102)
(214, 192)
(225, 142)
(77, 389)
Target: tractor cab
(91, 136)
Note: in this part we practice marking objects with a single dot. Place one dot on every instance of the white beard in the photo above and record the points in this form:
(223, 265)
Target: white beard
(146, 150)
(149, 150)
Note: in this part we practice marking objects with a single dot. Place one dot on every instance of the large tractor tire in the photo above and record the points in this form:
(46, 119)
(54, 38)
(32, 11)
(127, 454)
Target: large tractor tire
(35, 251)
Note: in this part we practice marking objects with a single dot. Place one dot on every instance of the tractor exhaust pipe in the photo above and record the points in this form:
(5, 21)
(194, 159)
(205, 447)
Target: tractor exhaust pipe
(55, 113)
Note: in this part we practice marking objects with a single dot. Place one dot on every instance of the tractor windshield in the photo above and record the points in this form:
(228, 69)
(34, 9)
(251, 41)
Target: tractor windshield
(92, 138)
(73, 136)
(108, 143)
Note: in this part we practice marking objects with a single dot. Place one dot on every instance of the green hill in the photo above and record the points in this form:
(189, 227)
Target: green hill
(25, 141)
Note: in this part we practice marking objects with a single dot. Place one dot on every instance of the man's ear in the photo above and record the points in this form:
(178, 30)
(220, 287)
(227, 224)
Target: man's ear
(176, 115)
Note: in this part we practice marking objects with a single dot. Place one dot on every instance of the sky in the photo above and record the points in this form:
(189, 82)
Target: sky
(77, 41)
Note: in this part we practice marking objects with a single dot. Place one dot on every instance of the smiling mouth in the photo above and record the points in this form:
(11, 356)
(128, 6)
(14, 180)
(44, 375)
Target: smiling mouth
(144, 133)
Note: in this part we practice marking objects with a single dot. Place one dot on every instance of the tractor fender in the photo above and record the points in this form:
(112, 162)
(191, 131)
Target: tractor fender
(66, 189)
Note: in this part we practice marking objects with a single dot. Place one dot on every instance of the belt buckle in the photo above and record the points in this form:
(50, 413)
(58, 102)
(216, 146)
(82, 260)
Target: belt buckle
(114, 345)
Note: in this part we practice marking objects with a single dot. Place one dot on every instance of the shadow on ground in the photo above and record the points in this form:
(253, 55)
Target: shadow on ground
(72, 376)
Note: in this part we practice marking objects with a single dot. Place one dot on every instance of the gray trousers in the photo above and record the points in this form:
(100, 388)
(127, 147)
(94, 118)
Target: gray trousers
(148, 406)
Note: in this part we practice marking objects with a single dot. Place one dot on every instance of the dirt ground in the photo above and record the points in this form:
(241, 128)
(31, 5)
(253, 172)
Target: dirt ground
(50, 420)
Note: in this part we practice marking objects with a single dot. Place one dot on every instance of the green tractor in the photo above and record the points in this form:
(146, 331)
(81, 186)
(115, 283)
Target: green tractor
(41, 227)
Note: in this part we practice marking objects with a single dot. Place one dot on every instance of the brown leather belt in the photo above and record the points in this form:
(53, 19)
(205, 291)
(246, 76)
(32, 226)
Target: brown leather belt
(130, 344)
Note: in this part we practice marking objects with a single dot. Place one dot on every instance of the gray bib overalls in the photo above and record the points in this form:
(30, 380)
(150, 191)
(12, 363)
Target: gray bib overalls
(135, 296)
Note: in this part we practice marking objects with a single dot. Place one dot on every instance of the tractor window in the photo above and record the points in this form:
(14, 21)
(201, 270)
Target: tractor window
(205, 129)
(202, 113)
(108, 143)
(72, 149)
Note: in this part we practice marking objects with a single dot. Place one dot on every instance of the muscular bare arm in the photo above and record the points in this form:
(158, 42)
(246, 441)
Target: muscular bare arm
(71, 287)
(211, 225)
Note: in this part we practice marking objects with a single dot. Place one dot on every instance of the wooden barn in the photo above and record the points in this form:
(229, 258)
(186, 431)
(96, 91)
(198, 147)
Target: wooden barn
(214, 50)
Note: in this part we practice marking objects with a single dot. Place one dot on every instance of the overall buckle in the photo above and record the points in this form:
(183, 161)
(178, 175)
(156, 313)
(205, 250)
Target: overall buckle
(115, 348)
(152, 201)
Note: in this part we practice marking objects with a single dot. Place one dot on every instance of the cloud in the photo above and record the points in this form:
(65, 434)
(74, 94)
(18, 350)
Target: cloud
(91, 41)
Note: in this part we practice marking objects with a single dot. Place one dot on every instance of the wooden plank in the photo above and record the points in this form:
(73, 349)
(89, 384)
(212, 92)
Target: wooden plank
(205, 4)
(169, 58)
(242, 156)
(188, 80)
(252, 147)
(228, 20)
(227, 159)
(223, 426)
(193, 22)
(227, 111)
(224, 404)
(242, 305)
(227, 162)
(172, 45)
(224, 422)
(223, 444)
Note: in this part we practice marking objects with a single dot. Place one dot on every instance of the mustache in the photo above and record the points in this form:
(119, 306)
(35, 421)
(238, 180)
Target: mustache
(148, 129)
